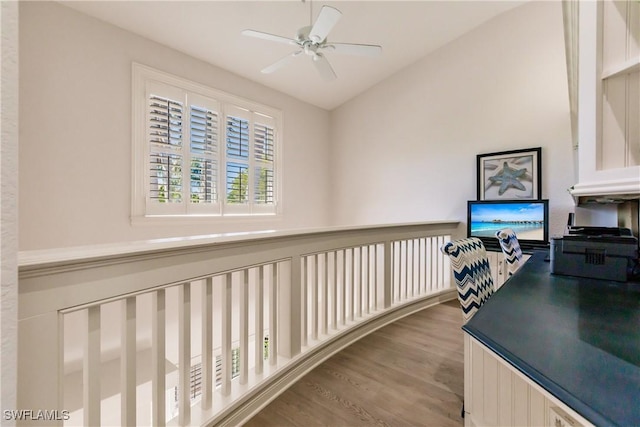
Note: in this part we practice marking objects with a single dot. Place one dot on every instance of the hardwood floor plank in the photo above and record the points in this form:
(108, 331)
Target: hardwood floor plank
(409, 386)
(409, 373)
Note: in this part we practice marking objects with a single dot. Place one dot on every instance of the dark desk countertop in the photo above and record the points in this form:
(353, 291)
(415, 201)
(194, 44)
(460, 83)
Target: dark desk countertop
(577, 338)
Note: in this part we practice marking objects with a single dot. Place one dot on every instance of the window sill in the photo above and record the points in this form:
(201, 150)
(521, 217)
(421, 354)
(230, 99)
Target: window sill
(142, 220)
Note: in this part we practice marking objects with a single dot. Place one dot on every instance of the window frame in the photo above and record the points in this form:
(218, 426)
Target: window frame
(144, 79)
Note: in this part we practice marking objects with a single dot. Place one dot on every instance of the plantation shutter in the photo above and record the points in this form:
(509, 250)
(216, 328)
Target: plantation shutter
(165, 137)
(264, 161)
(201, 152)
(237, 146)
(204, 150)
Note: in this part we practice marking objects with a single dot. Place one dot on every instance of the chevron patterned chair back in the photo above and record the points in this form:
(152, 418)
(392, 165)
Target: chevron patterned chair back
(511, 250)
(471, 272)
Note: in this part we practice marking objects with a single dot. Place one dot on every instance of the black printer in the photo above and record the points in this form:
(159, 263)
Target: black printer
(609, 253)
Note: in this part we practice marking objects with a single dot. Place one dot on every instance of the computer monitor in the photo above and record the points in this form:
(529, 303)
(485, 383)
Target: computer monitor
(529, 219)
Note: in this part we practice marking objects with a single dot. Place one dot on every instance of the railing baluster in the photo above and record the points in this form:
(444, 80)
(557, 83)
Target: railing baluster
(158, 325)
(434, 264)
(440, 264)
(419, 265)
(392, 270)
(334, 292)
(400, 265)
(325, 292)
(128, 362)
(409, 268)
(380, 275)
(387, 272)
(225, 334)
(422, 260)
(364, 260)
(371, 278)
(360, 271)
(313, 272)
(360, 289)
(343, 289)
(404, 270)
(416, 267)
(399, 273)
(208, 366)
(446, 268)
(409, 261)
(427, 264)
(91, 368)
(355, 303)
(357, 280)
(244, 326)
(397, 270)
(423, 266)
(184, 353)
(374, 276)
(352, 289)
(259, 319)
(303, 296)
(273, 313)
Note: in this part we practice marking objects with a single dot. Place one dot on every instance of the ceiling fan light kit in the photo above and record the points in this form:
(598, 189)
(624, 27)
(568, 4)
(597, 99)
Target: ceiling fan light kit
(312, 40)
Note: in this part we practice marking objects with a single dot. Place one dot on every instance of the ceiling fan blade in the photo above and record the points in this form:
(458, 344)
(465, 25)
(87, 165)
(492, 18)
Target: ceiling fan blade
(280, 63)
(328, 17)
(267, 36)
(355, 49)
(323, 67)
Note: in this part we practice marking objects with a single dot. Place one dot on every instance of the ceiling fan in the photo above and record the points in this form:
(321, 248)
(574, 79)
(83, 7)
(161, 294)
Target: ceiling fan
(312, 41)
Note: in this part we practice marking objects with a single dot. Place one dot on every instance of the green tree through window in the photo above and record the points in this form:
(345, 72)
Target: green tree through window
(238, 185)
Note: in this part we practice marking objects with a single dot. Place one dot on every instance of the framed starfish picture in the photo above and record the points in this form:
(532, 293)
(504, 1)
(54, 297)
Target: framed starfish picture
(510, 175)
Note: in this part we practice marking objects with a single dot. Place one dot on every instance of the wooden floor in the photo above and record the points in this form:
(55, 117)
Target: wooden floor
(409, 373)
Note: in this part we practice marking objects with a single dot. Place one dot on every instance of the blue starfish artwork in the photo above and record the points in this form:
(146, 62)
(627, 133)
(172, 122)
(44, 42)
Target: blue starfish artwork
(508, 177)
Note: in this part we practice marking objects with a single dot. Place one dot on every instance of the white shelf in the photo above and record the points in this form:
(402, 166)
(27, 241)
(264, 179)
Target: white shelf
(627, 67)
(610, 191)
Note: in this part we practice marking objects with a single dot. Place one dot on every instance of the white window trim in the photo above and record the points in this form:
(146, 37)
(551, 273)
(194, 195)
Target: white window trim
(142, 74)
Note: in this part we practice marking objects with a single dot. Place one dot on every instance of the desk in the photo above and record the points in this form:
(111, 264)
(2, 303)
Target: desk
(575, 340)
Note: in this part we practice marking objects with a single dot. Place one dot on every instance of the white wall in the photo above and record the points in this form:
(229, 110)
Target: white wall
(406, 149)
(75, 133)
(8, 207)
(403, 151)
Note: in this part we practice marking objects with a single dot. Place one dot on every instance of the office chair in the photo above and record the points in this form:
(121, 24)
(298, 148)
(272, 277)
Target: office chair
(511, 250)
(471, 272)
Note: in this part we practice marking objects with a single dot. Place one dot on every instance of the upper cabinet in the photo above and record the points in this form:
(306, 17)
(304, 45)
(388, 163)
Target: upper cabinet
(620, 84)
(608, 96)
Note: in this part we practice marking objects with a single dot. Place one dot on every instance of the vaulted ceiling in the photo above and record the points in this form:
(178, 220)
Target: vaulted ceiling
(211, 31)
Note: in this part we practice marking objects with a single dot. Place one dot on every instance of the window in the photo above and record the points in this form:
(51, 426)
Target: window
(199, 152)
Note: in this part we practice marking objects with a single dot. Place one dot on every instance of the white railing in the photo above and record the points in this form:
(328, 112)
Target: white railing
(206, 330)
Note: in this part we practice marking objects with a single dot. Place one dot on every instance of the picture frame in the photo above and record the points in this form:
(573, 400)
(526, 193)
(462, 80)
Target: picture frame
(510, 175)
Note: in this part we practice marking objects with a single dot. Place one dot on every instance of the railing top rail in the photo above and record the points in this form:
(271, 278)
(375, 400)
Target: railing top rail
(28, 260)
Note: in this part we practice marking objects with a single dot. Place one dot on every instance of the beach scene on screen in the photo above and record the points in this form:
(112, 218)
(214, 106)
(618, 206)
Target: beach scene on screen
(525, 219)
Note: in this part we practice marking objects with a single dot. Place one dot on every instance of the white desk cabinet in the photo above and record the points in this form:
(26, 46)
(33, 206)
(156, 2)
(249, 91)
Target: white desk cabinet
(496, 394)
